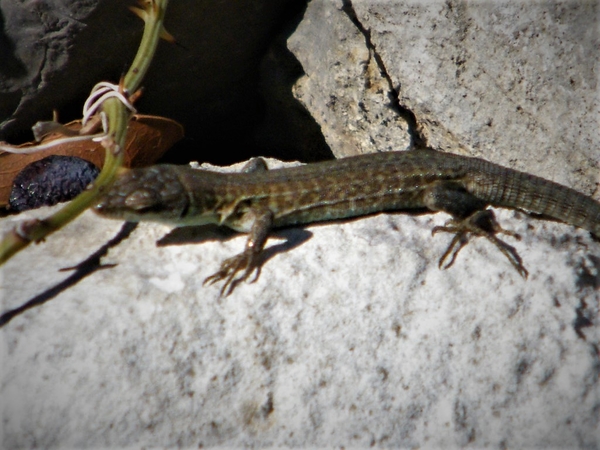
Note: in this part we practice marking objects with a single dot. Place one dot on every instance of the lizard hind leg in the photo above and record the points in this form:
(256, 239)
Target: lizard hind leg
(481, 223)
(470, 217)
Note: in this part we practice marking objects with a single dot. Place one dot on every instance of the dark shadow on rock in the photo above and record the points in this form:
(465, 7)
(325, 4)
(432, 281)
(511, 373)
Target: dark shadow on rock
(288, 131)
(293, 237)
(11, 66)
(252, 114)
(82, 270)
(229, 82)
(196, 235)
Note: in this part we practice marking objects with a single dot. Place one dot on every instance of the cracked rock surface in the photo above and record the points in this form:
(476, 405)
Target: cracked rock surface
(515, 83)
(344, 87)
(351, 336)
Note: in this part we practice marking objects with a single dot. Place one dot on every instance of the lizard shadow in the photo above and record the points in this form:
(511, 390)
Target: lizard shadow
(293, 237)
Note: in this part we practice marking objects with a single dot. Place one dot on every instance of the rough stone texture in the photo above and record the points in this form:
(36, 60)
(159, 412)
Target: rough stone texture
(515, 82)
(344, 88)
(353, 337)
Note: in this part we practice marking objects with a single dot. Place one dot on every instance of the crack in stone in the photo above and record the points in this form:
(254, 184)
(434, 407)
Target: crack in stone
(416, 137)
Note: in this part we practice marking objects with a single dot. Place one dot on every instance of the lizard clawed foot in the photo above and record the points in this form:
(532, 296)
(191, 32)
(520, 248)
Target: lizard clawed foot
(246, 261)
(481, 223)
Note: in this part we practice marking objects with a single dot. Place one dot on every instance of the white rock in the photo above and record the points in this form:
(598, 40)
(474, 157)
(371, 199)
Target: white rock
(353, 337)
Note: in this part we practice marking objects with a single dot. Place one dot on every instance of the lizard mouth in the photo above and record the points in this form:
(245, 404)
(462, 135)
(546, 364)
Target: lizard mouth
(140, 201)
(152, 193)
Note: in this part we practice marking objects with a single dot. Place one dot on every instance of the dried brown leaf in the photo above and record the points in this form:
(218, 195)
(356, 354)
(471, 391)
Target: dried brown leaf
(148, 138)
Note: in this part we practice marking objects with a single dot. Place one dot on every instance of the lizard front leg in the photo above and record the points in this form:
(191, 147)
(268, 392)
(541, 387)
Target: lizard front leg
(249, 260)
(260, 220)
(468, 218)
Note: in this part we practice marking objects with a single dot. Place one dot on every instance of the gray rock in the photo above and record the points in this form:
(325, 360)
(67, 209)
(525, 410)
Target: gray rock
(514, 82)
(344, 88)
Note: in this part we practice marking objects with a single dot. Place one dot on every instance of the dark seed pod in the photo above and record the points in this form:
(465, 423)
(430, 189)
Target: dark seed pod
(49, 181)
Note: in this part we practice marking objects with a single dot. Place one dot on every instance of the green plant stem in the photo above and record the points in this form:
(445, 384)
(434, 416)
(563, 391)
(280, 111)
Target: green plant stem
(141, 62)
(118, 118)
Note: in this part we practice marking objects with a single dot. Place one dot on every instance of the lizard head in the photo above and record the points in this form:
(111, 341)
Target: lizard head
(147, 194)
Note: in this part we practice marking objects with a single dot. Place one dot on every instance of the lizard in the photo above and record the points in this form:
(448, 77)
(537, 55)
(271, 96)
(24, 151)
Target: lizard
(257, 200)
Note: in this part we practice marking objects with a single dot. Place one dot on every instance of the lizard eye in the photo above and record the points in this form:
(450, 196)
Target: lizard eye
(142, 199)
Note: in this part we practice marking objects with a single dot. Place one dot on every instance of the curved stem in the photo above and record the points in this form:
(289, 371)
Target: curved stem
(114, 143)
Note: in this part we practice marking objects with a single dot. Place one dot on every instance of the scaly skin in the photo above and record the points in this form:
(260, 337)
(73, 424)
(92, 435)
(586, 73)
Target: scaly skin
(418, 180)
